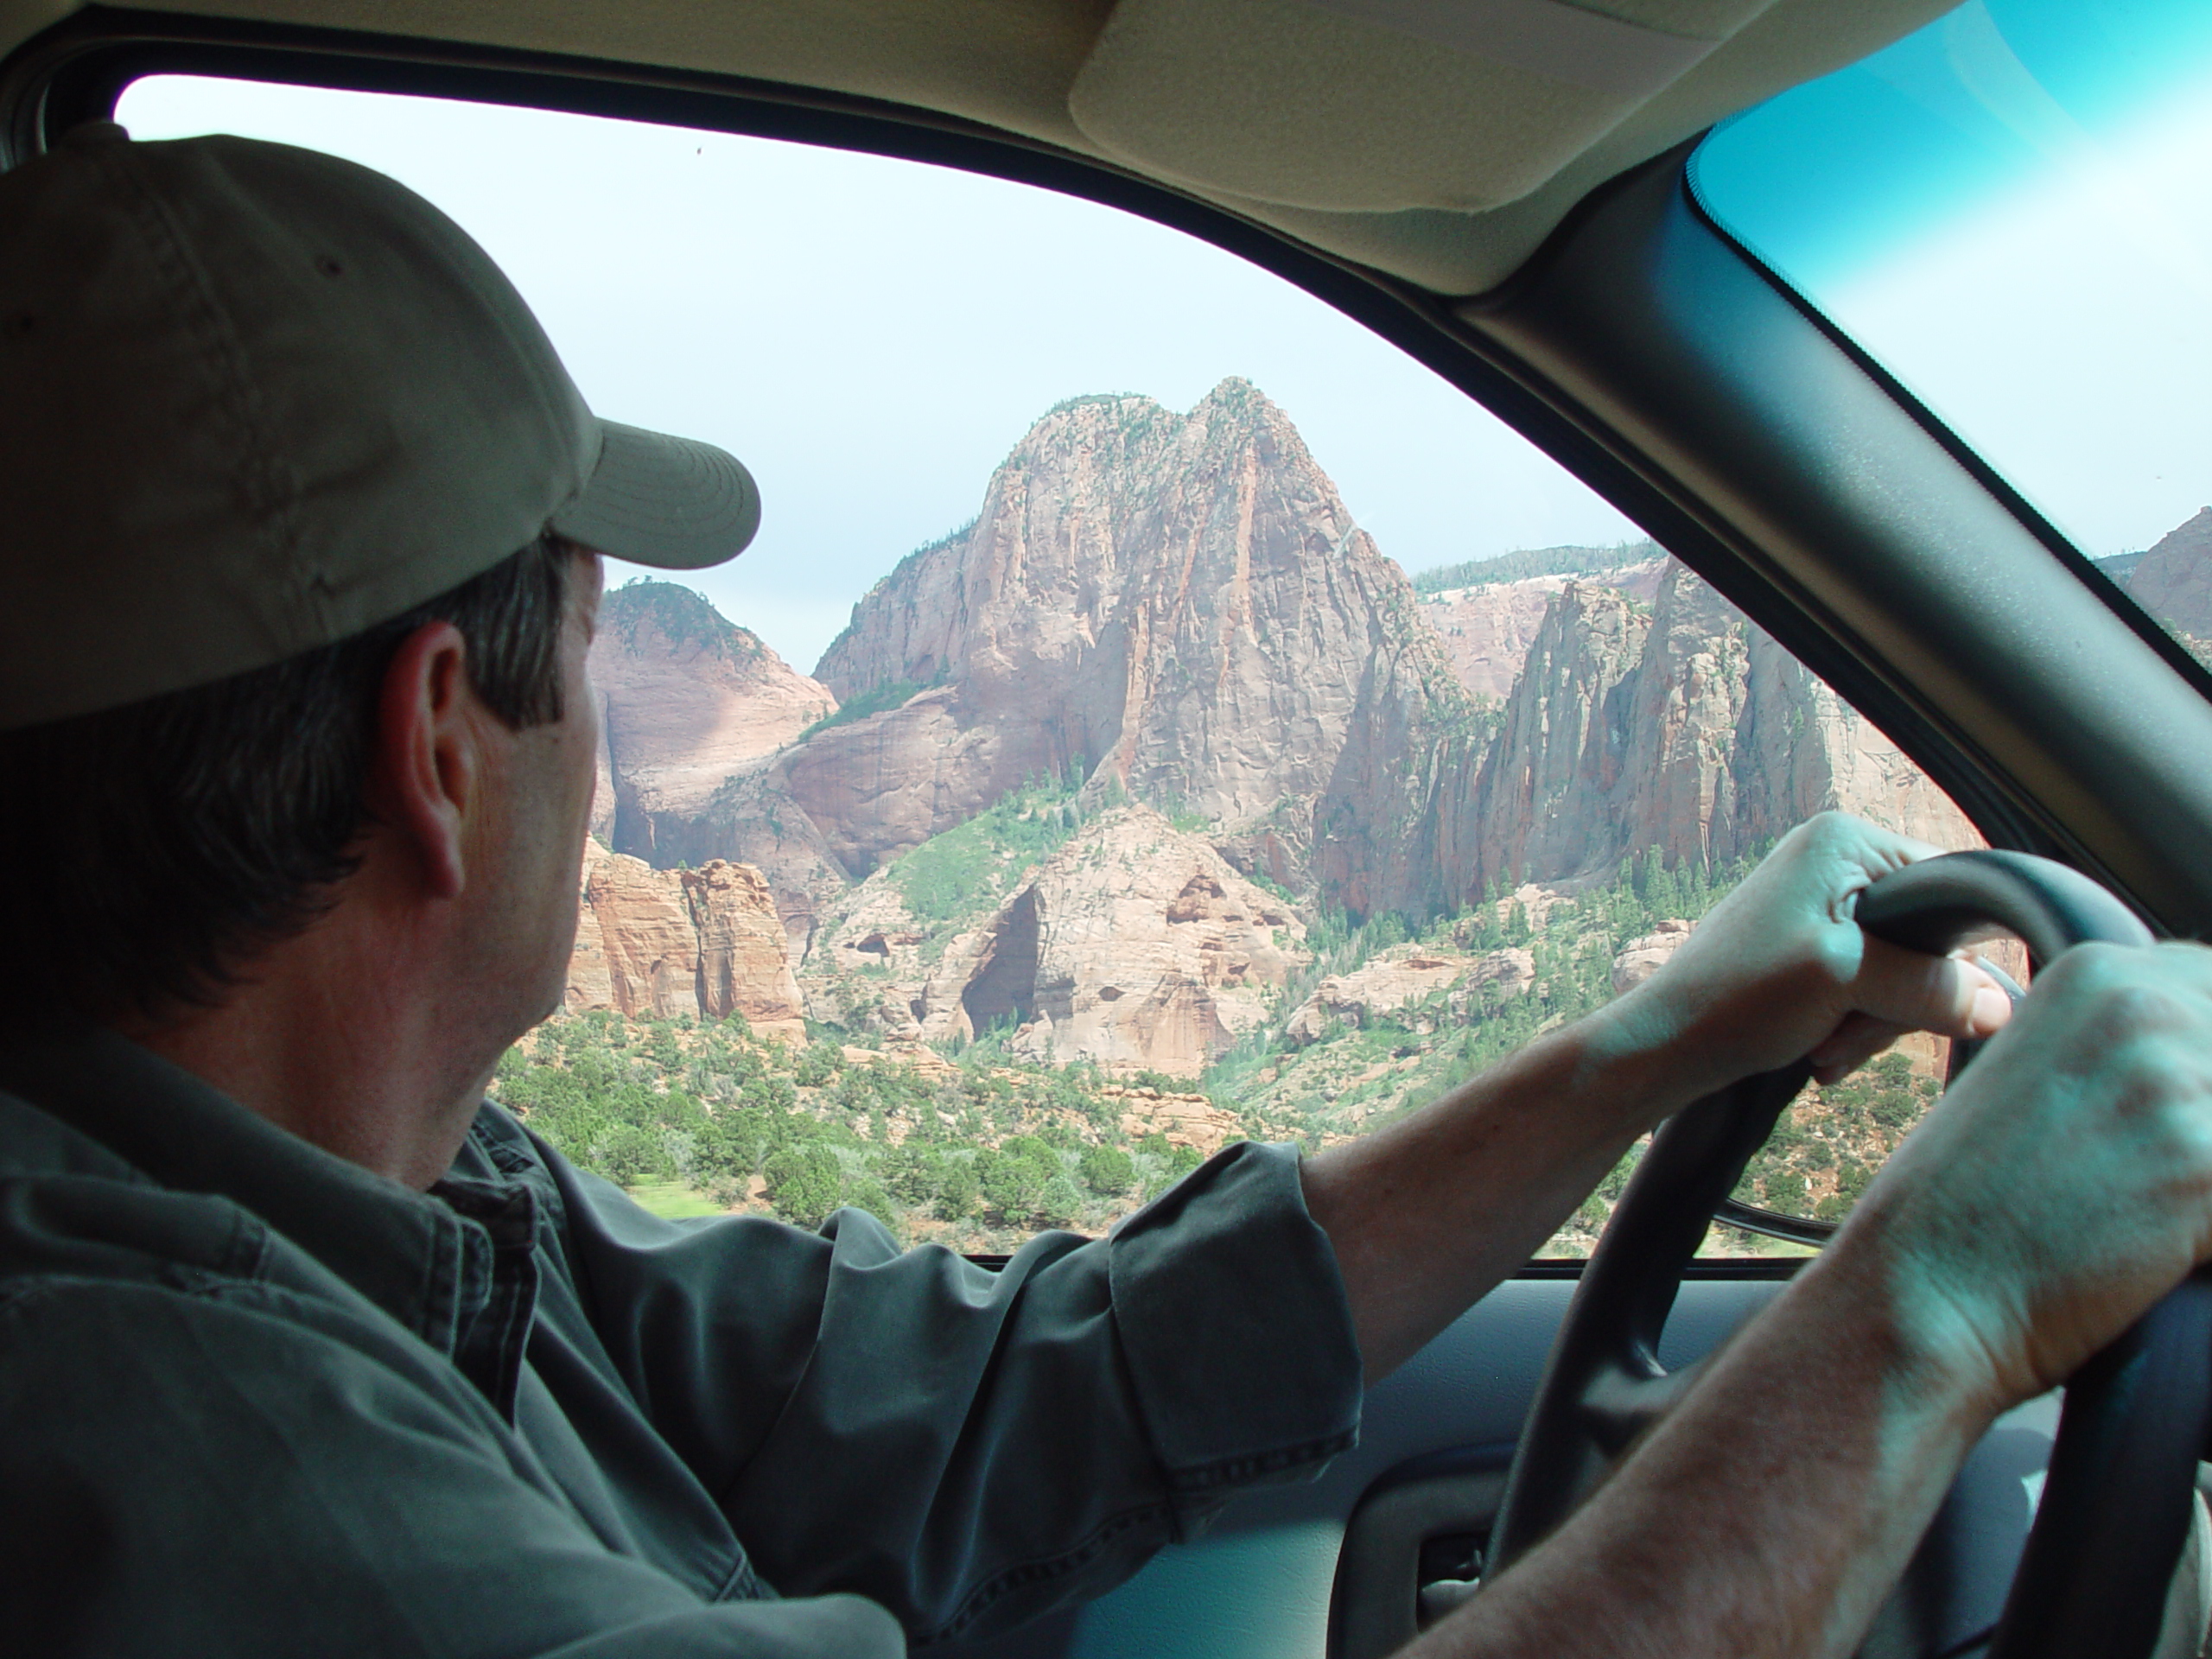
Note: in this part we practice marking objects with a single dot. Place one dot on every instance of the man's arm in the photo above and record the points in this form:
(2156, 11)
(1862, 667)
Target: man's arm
(1428, 1214)
(1770, 1514)
(2056, 1194)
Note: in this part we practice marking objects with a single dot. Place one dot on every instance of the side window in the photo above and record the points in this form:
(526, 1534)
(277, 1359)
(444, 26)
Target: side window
(991, 879)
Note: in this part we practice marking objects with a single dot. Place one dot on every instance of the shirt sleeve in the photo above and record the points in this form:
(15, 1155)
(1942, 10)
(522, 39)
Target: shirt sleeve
(972, 1448)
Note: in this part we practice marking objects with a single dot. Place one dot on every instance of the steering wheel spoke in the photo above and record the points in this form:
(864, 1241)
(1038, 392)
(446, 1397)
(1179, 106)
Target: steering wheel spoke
(1619, 1406)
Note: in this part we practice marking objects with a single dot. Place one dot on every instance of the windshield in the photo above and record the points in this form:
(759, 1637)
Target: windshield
(1155, 713)
(2010, 210)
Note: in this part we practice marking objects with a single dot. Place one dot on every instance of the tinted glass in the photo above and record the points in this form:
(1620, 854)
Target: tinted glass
(1155, 712)
(2010, 210)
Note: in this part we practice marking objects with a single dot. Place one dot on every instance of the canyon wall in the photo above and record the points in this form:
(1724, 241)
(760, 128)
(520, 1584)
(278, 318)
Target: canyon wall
(1685, 728)
(686, 698)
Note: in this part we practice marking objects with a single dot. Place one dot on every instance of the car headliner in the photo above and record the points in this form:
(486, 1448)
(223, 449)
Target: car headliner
(1415, 111)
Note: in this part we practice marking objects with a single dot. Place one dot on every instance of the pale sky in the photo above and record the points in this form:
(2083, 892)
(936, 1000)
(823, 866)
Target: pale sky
(873, 336)
(2066, 329)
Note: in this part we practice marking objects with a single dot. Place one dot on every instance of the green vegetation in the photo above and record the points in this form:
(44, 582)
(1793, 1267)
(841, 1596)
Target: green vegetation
(1533, 561)
(979, 1149)
(874, 701)
(973, 866)
(701, 1119)
(678, 613)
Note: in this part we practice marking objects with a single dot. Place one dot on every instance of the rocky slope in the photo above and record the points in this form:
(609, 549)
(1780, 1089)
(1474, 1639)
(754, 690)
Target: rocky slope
(1130, 944)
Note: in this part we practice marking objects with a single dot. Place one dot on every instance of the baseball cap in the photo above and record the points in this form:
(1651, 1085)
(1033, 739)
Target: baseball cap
(255, 399)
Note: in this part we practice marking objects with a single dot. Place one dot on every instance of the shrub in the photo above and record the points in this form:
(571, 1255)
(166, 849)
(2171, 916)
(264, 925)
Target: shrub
(805, 1183)
(1108, 1170)
(958, 1190)
(1013, 1181)
(817, 1063)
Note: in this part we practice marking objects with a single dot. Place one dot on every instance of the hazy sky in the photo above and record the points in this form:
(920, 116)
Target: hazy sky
(2009, 209)
(872, 336)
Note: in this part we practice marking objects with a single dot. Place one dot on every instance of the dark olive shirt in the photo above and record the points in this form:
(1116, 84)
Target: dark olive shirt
(255, 1400)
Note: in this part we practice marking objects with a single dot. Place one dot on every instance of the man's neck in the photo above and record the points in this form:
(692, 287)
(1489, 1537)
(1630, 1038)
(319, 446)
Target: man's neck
(326, 1041)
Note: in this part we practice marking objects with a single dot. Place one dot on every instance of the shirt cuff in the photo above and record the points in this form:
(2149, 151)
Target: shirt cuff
(1233, 1319)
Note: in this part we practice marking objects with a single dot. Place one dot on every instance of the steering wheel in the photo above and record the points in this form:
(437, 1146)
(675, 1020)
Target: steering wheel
(2116, 1502)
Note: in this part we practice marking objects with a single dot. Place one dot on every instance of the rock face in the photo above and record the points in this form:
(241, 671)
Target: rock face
(686, 699)
(1407, 976)
(1176, 606)
(1134, 945)
(658, 944)
(2173, 581)
(1643, 956)
(1689, 730)
(1487, 631)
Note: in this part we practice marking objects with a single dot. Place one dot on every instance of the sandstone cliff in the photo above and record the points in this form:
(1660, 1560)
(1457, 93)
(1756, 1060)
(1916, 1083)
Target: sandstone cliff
(1175, 607)
(1686, 730)
(658, 944)
(686, 699)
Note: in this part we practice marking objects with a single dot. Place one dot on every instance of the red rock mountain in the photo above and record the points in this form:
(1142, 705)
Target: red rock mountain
(1175, 610)
(1178, 606)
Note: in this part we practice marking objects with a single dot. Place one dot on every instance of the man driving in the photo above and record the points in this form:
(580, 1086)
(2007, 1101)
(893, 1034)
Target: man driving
(305, 1347)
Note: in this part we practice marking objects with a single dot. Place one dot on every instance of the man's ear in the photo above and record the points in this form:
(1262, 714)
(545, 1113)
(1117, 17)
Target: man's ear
(427, 763)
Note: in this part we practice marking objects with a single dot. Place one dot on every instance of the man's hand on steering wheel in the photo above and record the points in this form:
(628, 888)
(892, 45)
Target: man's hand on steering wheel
(2065, 1181)
(1779, 971)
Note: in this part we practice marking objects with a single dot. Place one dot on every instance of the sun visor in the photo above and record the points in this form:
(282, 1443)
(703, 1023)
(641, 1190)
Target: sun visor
(1381, 105)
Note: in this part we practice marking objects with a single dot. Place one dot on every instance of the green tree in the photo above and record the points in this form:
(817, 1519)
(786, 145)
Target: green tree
(958, 1190)
(1013, 1181)
(817, 1063)
(1108, 1170)
(805, 1182)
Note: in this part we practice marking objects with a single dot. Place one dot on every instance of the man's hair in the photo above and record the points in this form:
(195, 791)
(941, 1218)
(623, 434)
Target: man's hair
(149, 852)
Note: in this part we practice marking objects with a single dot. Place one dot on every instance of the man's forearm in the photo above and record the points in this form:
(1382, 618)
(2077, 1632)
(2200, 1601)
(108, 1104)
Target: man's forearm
(1769, 1514)
(1427, 1215)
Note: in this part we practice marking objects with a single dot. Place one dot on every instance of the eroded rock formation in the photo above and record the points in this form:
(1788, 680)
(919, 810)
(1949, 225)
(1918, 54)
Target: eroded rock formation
(1408, 976)
(658, 944)
(1134, 945)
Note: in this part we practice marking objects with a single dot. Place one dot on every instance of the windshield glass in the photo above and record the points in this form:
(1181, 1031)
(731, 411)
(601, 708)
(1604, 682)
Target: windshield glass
(1155, 713)
(2011, 210)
